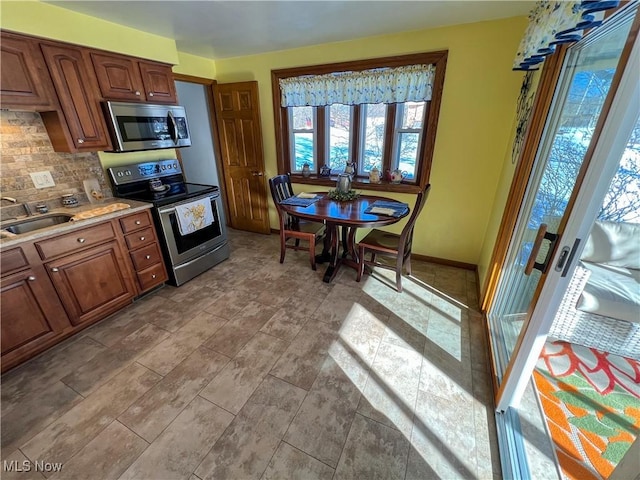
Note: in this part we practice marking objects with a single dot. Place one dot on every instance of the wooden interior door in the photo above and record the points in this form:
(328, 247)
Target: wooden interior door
(240, 134)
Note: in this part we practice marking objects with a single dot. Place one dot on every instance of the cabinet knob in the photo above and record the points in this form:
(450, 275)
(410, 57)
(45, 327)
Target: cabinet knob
(153, 276)
(81, 240)
(138, 222)
(147, 257)
(137, 93)
(55, 269)
(151, 94)
(31, 278)
(81, 140)
(141, 239)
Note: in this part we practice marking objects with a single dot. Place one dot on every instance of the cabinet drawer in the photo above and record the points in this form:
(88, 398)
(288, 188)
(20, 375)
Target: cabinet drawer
(12, 260)
(135, 222)
(140, 238)
(146, 256)
(75, 240)
(152, 276)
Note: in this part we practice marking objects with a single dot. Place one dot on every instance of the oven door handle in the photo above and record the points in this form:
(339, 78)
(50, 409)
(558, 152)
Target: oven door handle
(173, 209)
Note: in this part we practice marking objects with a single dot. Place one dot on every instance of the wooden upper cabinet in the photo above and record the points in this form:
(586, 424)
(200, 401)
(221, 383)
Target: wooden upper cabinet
(158, 82)
(25, 82)
(127, 78)
(78, 93)
(118, 76)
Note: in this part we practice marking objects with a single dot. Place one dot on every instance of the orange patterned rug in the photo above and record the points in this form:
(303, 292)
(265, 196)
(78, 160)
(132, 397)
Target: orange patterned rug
(591, 401)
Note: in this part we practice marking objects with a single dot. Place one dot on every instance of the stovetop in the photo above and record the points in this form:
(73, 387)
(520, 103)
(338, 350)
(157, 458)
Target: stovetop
(133, 182)
(175, 193)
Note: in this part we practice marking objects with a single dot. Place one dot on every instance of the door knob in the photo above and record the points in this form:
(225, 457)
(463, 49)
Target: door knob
(257, 174)
(31, 278)
(55, 269)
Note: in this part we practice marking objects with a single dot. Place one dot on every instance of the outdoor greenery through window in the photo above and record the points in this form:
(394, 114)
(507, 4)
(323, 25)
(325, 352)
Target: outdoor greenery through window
(339, 136)
(333, 131)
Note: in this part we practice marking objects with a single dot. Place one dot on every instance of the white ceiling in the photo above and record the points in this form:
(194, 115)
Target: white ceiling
(221, 29)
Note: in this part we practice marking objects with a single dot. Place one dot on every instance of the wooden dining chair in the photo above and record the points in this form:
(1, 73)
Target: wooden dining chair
(379, 242)
(292, 227)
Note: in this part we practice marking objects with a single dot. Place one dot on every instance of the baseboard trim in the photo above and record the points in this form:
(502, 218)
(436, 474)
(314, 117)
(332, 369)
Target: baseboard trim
(425, 258)
(444, 261)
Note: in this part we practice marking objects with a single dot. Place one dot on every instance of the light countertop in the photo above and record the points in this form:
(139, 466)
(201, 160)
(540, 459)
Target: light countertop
(13, 239)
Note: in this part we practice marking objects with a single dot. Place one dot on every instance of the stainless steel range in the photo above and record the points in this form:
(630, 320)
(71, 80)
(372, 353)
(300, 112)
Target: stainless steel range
(162, 183)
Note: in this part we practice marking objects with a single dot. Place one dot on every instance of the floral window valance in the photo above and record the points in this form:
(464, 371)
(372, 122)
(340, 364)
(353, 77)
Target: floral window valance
(555, 22)
(412, 83)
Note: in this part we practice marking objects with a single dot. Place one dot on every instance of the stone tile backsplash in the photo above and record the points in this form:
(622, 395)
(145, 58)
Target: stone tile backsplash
(26, 149)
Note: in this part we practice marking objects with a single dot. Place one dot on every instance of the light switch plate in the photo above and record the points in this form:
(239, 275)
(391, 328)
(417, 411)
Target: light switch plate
(42, 179)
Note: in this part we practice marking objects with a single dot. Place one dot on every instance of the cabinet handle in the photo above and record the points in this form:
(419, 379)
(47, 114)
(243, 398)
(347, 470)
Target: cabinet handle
(153, 276)
(147, 257)
(31, 278)
(55, 269)
(81, 141)
(151, 94)
(81, 240)
(138, 222)
(137, 93)
(142, 239)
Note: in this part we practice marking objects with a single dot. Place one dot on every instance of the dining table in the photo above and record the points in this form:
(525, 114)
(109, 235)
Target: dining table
(349, 215)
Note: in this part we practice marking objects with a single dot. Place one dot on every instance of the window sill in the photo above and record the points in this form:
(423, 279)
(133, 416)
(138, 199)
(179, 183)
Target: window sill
(357, 184)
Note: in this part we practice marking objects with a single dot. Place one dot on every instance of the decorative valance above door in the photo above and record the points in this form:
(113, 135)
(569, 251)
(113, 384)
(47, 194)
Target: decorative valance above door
(555, 22)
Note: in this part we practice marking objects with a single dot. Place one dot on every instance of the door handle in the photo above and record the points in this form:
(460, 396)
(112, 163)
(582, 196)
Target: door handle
(257, 174)
(540, 236)
(173, 127)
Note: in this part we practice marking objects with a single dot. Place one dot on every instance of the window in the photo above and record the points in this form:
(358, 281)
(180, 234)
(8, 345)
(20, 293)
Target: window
(384, 134)
(303, 137)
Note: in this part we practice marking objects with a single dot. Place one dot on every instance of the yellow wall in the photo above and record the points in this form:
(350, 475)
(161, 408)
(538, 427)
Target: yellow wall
(50, 21)
(196, 66)
(476, 118)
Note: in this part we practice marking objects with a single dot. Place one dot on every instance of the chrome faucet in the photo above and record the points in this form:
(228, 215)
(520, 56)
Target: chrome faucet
(25, 205)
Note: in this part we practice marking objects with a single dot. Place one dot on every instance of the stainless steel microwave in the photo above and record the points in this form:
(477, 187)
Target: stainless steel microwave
(141, 126)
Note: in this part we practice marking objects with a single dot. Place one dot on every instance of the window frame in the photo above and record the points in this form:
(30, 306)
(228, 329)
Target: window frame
(427, 143)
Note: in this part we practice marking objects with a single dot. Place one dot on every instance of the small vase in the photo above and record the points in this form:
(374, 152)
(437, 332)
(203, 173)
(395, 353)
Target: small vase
(306, 171)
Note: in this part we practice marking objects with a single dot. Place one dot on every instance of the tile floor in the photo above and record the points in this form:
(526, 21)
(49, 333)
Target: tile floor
(260, 370)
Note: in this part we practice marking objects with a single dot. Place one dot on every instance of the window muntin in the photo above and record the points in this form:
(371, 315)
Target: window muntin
(302, 121)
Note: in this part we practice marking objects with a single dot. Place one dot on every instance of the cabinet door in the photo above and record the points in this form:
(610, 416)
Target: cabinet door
(158, 82)
(118, 76)
(78, 95)
(25, 80)
(25, 314)
(92, 283)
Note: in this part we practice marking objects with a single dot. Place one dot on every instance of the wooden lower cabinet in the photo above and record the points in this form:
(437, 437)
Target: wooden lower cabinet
(31, 316)
(26, 314)
(55, 286)
(92, 283)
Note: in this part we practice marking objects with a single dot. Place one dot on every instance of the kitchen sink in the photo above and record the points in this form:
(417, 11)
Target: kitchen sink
(30, 224)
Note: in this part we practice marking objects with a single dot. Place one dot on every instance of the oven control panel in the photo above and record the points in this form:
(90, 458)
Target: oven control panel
(144, 171)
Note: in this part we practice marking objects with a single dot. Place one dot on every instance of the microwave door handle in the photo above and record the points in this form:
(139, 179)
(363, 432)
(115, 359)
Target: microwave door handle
(173, 127)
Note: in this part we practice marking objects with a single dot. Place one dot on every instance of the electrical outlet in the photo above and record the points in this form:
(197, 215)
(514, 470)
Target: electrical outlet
(42, 179)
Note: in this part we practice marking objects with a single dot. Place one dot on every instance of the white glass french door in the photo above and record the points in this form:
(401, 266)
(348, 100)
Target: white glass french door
(581, 96)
